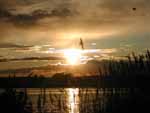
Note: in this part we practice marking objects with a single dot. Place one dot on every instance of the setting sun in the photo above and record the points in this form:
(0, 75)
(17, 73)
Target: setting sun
(72, 56)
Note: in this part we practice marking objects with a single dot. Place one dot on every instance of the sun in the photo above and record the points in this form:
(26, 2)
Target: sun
(72, 56)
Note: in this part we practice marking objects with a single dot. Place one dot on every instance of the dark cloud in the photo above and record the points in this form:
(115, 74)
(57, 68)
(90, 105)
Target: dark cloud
(34, 17)
(23, 20)
(4, 14)
(11, 45)
(99, 12)
(56, 12)
(31, 58)
(61, 12)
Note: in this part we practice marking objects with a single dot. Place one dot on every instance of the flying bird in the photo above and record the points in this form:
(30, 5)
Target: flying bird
(81, 44)
(134, 9)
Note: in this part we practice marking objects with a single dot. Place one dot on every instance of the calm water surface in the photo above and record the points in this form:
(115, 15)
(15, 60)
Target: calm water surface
(73, 100)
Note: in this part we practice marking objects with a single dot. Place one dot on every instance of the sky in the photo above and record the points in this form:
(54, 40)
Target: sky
(32, 27)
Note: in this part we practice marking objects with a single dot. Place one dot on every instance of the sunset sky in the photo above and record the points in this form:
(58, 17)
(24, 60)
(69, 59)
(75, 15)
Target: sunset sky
(41, 27)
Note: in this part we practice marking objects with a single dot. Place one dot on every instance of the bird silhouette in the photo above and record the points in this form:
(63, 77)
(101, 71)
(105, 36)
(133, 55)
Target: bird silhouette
(81, 44)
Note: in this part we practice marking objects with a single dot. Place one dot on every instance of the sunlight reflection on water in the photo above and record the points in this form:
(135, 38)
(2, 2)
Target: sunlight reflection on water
(73, 100)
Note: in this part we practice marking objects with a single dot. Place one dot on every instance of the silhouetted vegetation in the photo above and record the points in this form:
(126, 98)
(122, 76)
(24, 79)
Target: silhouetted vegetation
(135, 65)
(12, 101)
(135, 98)
(114, 100)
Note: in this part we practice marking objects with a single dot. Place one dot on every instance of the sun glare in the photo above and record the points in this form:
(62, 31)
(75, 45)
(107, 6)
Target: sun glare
(73, 100)
(72, 56)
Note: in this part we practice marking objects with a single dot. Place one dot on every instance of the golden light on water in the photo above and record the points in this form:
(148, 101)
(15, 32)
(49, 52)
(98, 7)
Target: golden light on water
(73, 100)
(73, 56)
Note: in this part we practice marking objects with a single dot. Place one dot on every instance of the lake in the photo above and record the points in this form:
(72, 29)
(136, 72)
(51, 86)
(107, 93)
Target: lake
(72, 100)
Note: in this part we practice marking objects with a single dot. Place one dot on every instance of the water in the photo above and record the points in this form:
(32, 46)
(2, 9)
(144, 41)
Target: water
(75, 100)
(72, 100)
(56, 100)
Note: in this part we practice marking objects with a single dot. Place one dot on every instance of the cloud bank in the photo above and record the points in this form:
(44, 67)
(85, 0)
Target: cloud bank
(42, 21)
